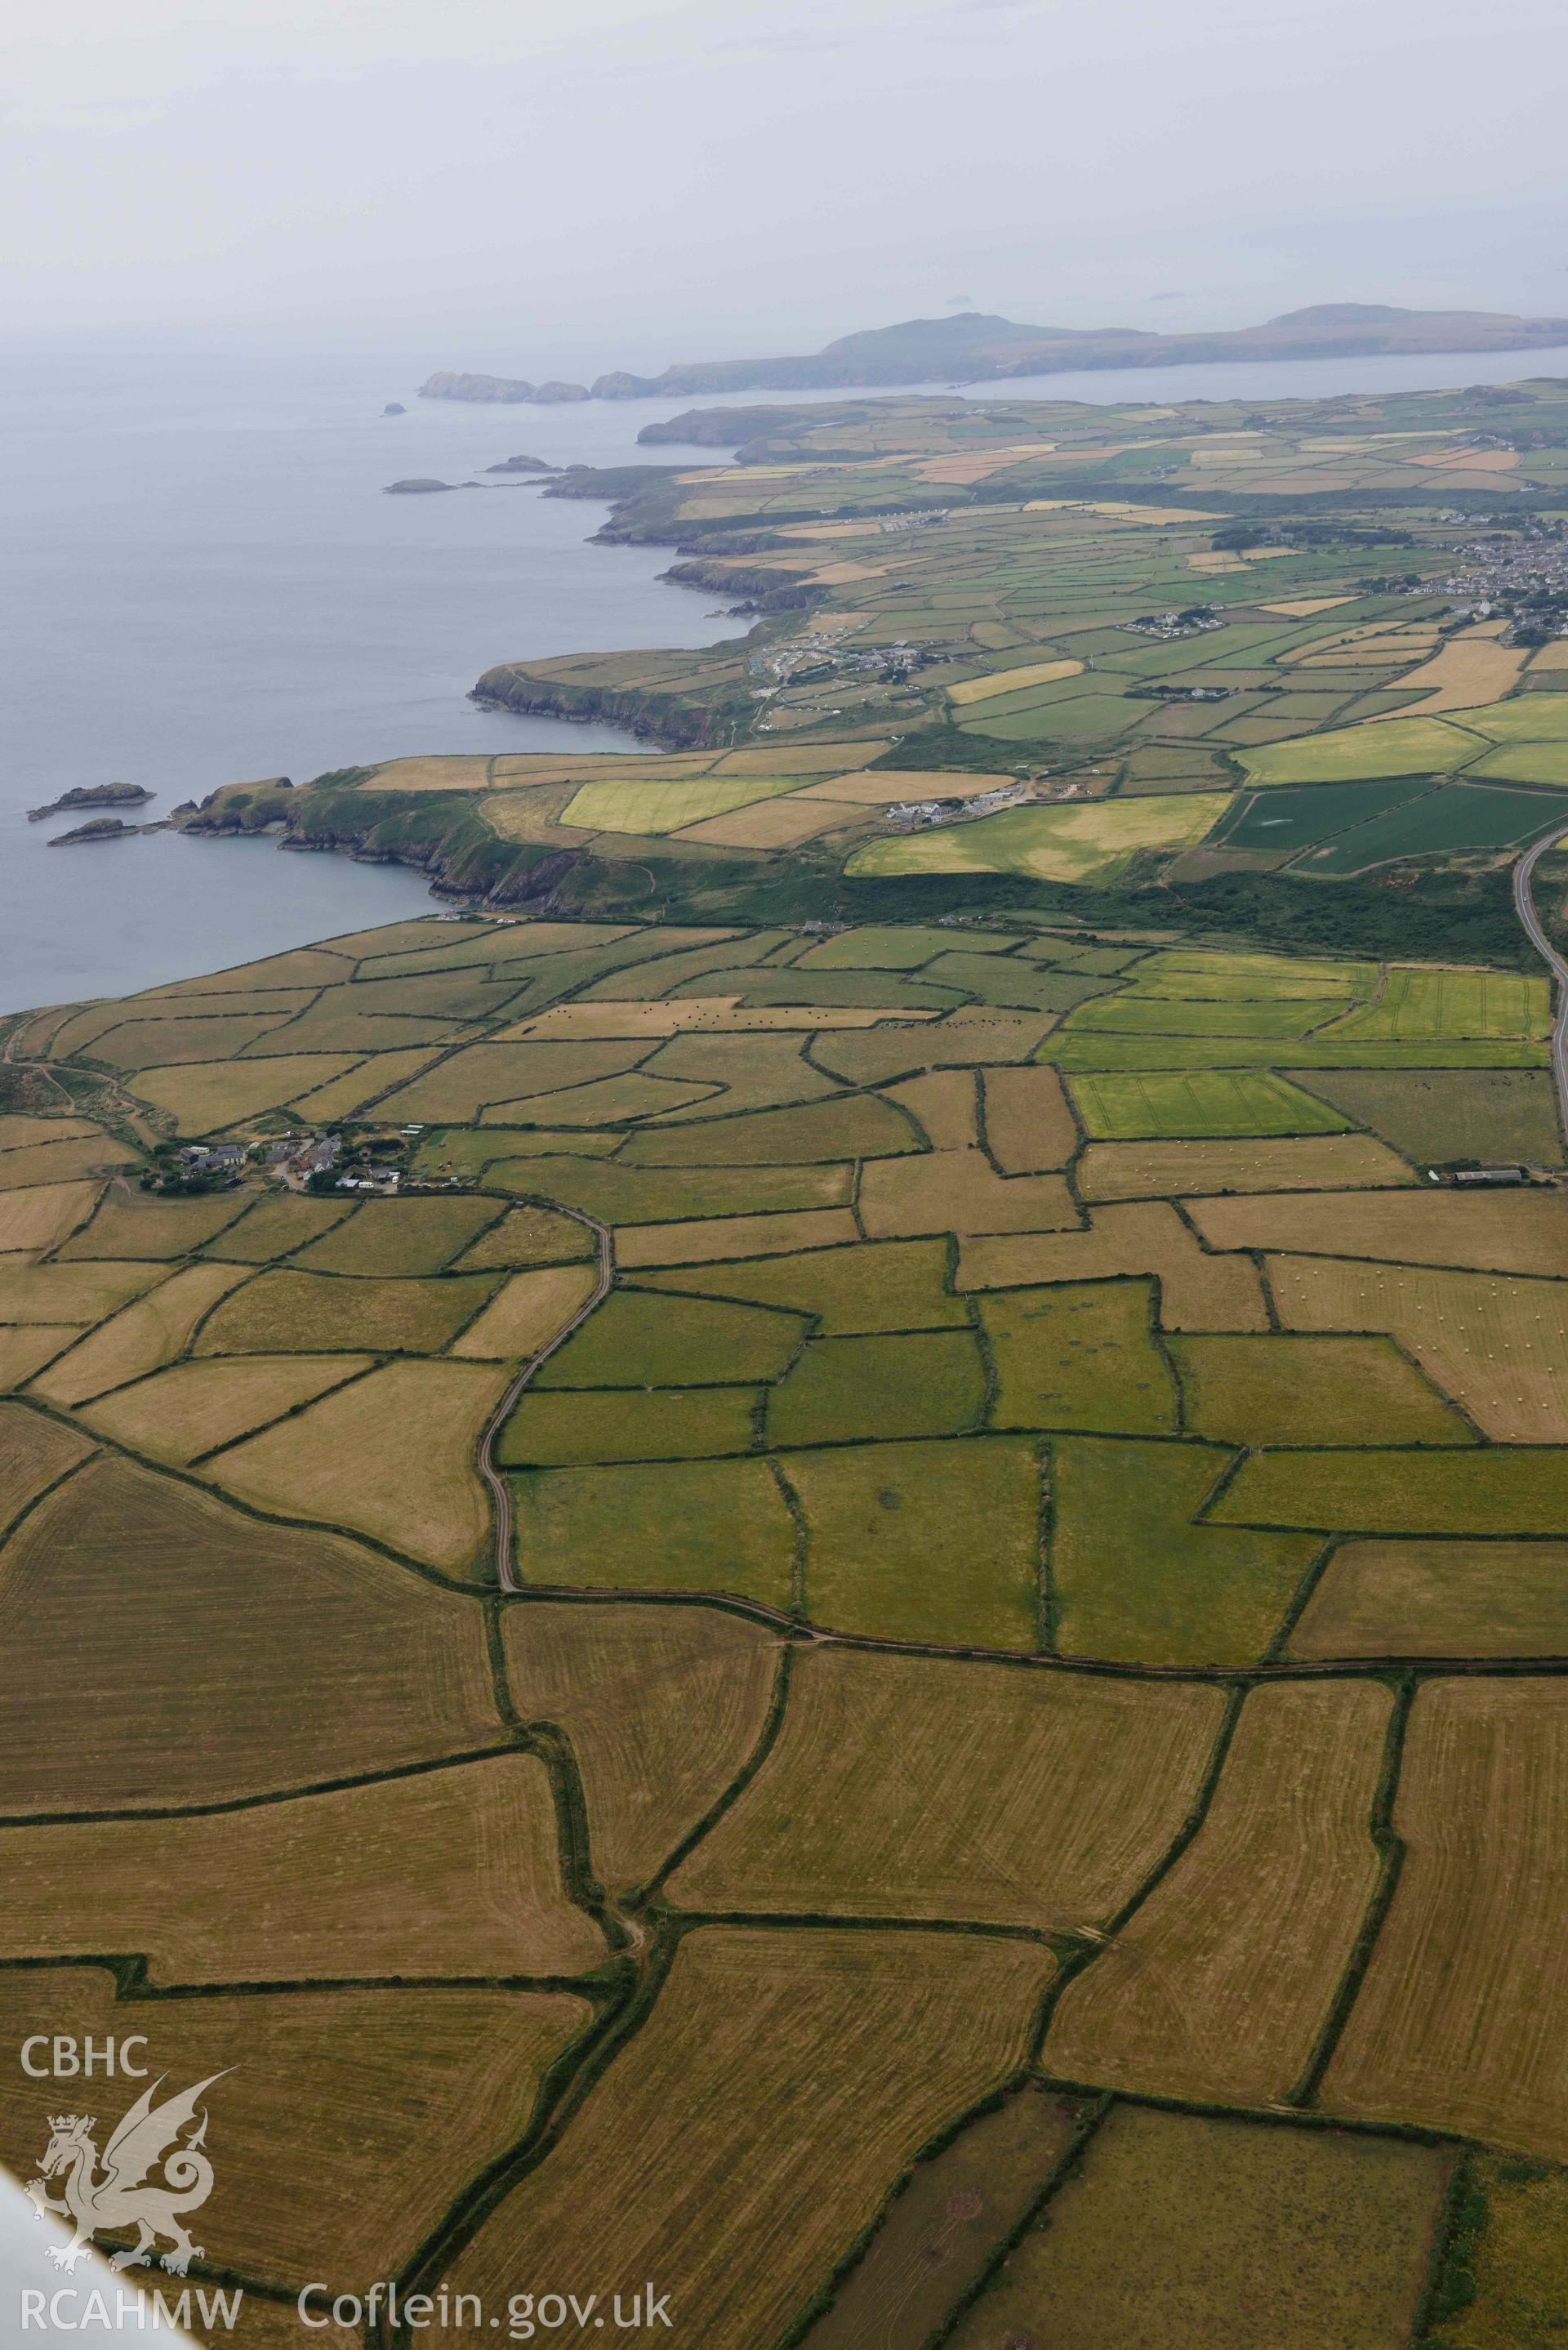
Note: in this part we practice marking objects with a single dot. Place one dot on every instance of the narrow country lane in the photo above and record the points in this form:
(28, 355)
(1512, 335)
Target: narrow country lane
(501, 1493)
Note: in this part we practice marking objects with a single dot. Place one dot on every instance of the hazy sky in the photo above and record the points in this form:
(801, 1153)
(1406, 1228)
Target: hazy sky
(598, 180)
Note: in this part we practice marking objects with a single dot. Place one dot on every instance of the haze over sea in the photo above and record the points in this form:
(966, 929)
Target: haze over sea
(204, 583)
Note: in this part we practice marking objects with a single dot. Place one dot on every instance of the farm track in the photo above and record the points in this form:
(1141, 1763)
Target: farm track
(499, 1491)
(1524, 875)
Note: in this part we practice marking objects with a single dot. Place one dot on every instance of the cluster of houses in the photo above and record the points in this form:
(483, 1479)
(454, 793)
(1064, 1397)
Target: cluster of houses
(911, 815)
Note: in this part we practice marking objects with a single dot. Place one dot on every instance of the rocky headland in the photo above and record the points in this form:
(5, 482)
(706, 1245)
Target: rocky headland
(974, 348)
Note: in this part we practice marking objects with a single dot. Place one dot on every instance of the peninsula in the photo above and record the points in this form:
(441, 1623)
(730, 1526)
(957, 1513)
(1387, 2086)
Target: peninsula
(974, 348)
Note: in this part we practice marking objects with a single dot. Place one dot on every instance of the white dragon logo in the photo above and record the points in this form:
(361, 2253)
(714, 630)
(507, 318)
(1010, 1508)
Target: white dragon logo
(124, 2195)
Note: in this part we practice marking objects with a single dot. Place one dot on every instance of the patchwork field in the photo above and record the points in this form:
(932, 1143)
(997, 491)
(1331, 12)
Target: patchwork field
(800, 1576)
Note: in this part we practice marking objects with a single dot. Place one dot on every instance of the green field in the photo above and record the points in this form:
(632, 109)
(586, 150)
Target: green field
(1440, 1116)
(1429, 1004)
(1205, 1102)
(926, 1383)
(1394, 747)
(569, 1425)
(678, 1526)
(923, 1541)
(872, 1285)
(1282, 821)
(1456, 816)
(1080, 1355)
(1132, 1578)
(638, 1340)
(1134, 1014)
(1527, 762)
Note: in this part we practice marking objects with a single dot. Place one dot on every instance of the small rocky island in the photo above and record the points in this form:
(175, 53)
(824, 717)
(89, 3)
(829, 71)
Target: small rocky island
(522, 466)
(102, 827)
(418, 486)
(93, 795)
(394, 408)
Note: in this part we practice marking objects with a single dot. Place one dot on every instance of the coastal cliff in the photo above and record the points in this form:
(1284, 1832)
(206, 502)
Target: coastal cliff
(663, 718)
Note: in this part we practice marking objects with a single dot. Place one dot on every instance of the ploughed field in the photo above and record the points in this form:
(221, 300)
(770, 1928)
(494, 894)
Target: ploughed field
(1001, 1776)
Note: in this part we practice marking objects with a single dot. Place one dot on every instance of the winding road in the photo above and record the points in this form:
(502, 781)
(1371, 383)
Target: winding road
(499, 1491)
(1524, 905)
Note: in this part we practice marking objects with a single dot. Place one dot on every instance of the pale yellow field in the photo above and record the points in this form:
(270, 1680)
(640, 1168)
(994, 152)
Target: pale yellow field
(214, 1647)
(24, 1350)
(959, 1191)
(1472, 461)
(348, 1460)
(319, 2086)
(40, 1217)
(34, 1453)
(446, 1873)
(1498, 1345)
(812, 2066)
(974, 466)
(367, 1082)
(1013, 680)
(528, 1313)
(798, 758)
(1149, 1170)
(195, 1406)
(1519, 1232)
(662, 1706)
(1551, 655)
(1218, 1986)
(1028, 1126)
(914, 1787)
(1122, 510)
(843, 575)
(1059, 841)
(1303, 607)
(1462, 2021)
(457, 773)
(204, 1097)
(144, 1335)
(943, 1104)
(70, 1293)
(634, 804)
(769, 824)
(1470, 670)
(722, 1014)
(59, 1163)
(1197, 1291)
(18, 1130)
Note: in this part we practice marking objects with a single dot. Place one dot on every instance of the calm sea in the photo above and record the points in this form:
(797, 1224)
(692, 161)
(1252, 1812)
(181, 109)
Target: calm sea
(202, 582)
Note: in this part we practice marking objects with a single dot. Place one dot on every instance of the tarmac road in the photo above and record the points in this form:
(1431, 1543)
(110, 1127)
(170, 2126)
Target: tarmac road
(1525, 908)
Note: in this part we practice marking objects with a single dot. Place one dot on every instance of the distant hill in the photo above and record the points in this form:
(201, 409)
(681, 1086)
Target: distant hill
(975, 349)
